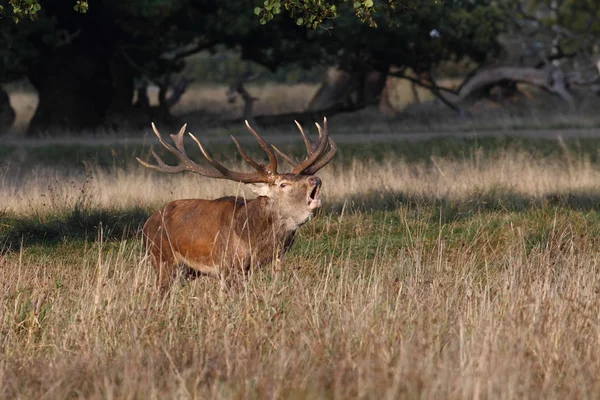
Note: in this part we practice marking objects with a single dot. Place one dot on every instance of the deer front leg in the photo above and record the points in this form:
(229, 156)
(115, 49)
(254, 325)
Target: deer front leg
(165, 270)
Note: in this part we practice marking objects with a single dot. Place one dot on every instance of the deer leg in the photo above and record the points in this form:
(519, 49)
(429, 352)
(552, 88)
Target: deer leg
(165, 276)
(164, 265)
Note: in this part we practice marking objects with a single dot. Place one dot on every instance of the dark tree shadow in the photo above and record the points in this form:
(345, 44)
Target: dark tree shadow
(79, 224)
(452, 210)
(85, 224)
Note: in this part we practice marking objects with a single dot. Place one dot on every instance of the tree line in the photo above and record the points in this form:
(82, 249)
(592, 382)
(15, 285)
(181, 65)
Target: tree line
(86, 59)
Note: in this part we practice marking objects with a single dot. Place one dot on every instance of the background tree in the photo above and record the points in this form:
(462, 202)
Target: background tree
(550, 44)
(84, 65)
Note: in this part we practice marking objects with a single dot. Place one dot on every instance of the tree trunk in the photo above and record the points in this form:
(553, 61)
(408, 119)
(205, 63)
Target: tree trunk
(342, 89)
(122, 80)
(385, 105)
(7, 114)
(74, 86)
(122, 113)
(334, 89)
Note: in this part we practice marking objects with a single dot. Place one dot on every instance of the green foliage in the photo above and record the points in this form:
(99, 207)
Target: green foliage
(313, 13)
(81, 6)
(310, 13)
(422, 37)
(23, 8)
(29, 8)
(571, 25)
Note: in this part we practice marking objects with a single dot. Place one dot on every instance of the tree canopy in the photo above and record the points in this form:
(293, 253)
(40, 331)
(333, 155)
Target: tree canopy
(310, 13)
(91, 57)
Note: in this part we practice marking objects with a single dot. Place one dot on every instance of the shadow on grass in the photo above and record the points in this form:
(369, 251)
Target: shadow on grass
(446, 210)
(122, 155)
(85, 224)
(79, 224)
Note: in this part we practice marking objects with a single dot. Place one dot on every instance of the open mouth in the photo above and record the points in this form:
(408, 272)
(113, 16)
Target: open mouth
(313, 198)
(314, 193)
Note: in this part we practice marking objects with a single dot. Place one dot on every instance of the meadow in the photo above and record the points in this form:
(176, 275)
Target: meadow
(437, 268)
(444, 268)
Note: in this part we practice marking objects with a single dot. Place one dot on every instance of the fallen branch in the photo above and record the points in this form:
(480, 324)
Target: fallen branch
(551, 79)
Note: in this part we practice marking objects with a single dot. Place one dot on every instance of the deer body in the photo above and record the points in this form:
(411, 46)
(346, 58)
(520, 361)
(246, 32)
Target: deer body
(231, 234)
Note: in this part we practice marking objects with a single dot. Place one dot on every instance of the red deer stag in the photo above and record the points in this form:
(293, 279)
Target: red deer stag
(229, 234)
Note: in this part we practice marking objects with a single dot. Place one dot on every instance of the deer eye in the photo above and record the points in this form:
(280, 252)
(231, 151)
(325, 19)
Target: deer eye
(282, 185)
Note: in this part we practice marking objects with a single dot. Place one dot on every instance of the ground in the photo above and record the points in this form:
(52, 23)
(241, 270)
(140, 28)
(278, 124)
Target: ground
(439, 267)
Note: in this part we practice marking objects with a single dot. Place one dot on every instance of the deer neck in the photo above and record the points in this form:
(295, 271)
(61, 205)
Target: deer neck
(288, 219)
(277, 217)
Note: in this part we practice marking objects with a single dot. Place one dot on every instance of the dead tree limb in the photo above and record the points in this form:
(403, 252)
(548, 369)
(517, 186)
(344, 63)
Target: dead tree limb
(424, 84)
(431, 85)
(435, 89)
(551, 79)
(237, 87)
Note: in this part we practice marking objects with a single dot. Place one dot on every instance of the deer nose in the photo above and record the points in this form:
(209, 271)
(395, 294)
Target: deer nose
(314, 180)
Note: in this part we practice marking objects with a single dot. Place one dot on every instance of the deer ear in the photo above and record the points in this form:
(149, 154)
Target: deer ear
(260, 189)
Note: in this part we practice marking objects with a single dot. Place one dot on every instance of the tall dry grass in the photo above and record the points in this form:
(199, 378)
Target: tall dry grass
(406, 303)
(512, 172)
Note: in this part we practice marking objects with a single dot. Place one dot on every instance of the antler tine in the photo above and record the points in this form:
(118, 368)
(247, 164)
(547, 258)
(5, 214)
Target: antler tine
(162, 141)
(317, 152)
(185, 164)
(162, 166)
(307, 142)
(315, 159)
(178, 139)
(324, 160)
(228, 174)
(272, 167)
(310, 147)
(220, 167)
(245, 156)
(285, 156)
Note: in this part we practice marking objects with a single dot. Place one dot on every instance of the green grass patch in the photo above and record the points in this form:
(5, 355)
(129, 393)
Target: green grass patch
(367, 219)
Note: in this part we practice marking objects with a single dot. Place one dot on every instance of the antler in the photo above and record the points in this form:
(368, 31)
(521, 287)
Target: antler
(316, 158)
(264, 173)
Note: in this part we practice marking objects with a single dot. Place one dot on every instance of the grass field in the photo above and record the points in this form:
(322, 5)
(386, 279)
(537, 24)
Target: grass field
(448, 268)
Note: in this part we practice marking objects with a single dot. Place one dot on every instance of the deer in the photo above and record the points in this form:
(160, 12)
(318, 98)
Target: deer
(231, 235)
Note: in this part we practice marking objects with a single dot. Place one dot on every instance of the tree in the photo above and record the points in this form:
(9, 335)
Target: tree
(415, 42)
(550, 44)
(84, 65)
(29, 8)
(306, 13)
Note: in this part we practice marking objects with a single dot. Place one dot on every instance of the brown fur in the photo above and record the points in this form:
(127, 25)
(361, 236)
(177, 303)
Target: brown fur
(228, 235)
